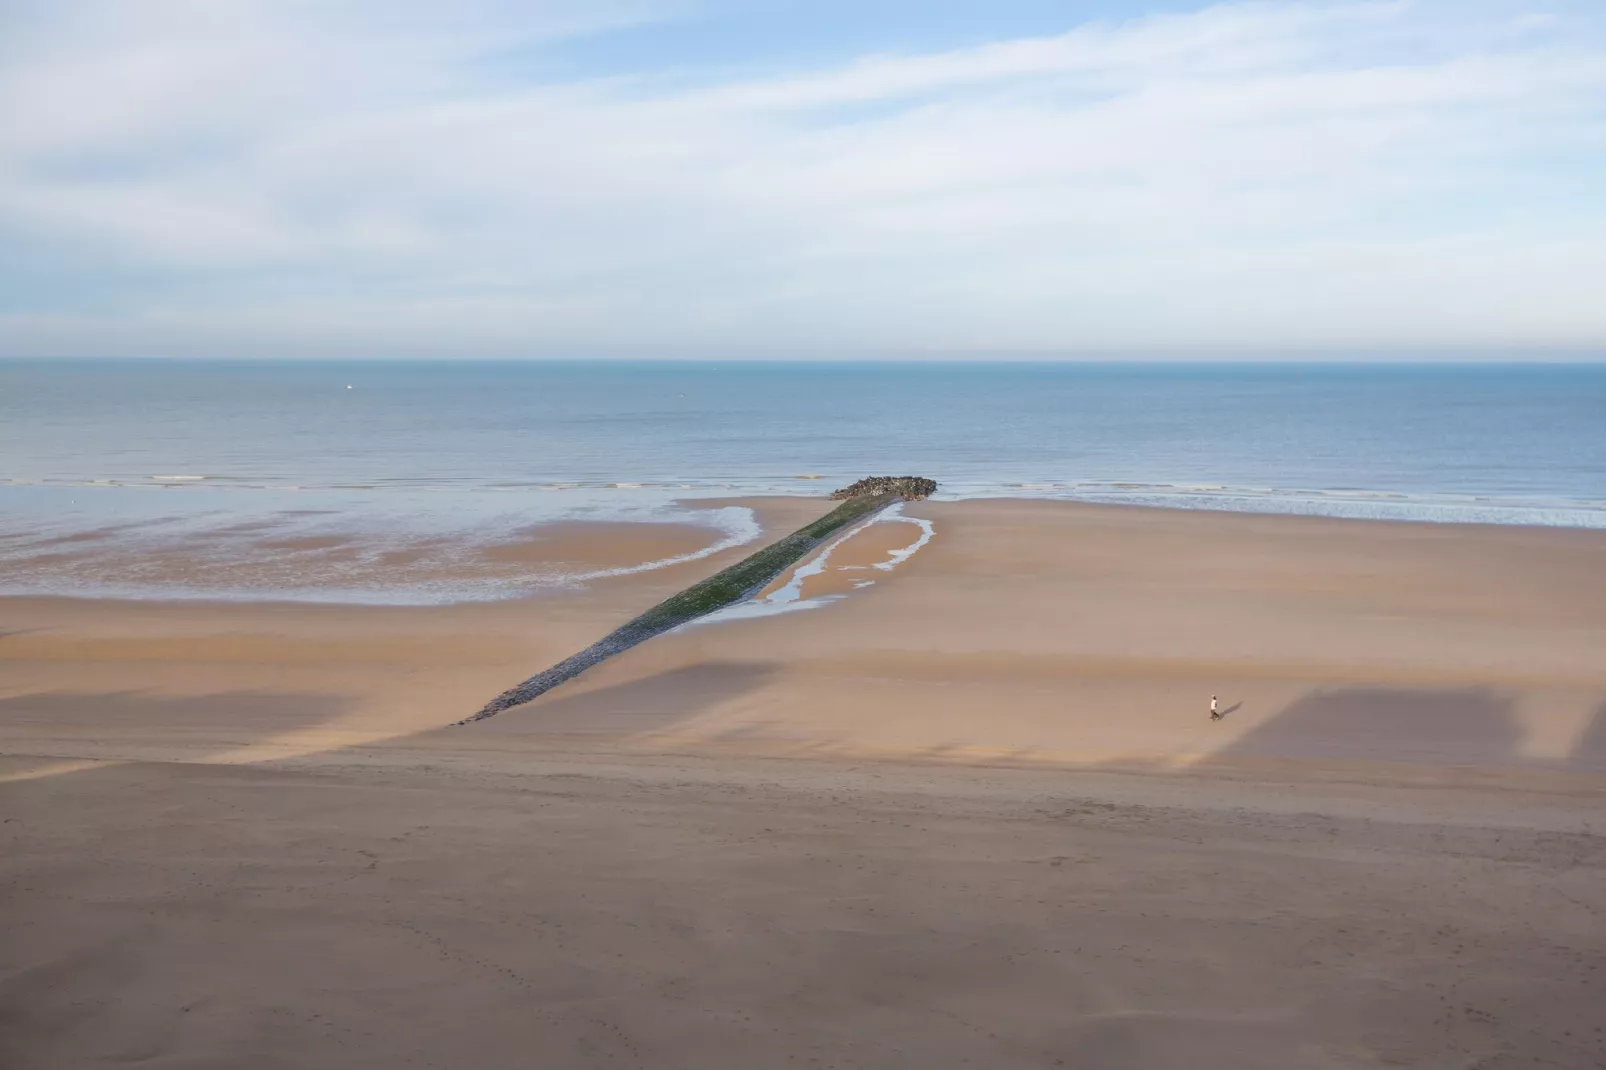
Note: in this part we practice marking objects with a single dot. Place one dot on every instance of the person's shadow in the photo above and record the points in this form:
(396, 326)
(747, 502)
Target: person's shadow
(1456, 725)
(1222, 716)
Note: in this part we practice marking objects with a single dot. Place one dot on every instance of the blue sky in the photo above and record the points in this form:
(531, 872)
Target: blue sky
(779, 179)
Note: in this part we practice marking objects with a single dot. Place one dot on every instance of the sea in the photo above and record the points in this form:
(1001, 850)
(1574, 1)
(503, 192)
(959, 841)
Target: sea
(375, 481)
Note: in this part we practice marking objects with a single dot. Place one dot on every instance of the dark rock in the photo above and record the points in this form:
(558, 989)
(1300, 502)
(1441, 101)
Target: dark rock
(726, 587)
(909, 488)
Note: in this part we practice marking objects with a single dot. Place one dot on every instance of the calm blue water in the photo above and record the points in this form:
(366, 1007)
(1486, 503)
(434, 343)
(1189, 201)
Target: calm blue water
(444, 447)
(1502, 432)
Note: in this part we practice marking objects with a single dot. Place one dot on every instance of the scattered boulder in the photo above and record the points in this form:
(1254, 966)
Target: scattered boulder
(909, 488)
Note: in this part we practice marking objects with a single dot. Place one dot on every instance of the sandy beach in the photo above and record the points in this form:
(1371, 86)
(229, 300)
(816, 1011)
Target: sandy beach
(971, 812)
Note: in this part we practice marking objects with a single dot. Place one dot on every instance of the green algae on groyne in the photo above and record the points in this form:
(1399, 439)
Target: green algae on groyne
(726, 587)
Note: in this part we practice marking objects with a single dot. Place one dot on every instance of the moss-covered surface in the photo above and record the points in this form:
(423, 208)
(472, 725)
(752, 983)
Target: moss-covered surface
(724, 588)
(751, 573)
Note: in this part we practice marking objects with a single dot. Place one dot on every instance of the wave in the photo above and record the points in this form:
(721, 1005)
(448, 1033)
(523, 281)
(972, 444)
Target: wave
(1343, 503)
(1356, 502)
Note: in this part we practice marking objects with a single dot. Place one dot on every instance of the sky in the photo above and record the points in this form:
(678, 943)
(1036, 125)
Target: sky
(800, 178)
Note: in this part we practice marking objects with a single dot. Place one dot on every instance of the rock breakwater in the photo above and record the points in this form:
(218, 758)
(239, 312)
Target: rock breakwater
(726, 587)
(908, 488)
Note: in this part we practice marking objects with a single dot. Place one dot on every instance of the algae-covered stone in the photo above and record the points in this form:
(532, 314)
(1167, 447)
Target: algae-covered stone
(723, 588)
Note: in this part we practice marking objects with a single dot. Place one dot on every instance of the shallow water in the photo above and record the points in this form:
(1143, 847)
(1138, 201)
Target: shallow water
(378, 480)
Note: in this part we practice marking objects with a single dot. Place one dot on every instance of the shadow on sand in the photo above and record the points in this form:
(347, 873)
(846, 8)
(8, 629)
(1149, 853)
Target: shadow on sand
(1590, 752)
(252, 712)
(650, 704)
(1473, 726)
(1437, 725)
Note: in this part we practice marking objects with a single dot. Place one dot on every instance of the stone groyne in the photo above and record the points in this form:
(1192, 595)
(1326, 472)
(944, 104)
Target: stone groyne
(726, 587)
(909, 488)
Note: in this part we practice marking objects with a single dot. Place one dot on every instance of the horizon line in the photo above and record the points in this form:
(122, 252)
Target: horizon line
(1550, 358)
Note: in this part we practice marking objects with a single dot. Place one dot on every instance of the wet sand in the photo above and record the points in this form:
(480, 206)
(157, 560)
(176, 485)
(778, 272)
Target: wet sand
(975, 814)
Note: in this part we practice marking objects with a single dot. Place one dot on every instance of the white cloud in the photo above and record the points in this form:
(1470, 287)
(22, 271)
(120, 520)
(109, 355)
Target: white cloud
(358, 178)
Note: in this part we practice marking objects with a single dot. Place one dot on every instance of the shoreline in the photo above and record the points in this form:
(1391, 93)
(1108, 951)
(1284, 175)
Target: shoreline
(1087, 633)
(769, 512)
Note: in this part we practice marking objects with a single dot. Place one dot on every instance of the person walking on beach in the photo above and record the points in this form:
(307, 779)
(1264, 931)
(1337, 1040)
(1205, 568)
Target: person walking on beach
(1215, 710)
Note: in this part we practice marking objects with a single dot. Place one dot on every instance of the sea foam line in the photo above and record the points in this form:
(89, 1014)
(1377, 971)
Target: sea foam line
(1358, 503)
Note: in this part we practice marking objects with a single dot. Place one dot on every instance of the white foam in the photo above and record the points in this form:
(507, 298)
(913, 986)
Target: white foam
(1363, 504)
(1367, 503)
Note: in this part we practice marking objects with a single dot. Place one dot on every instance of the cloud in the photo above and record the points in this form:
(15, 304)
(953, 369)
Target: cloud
(366, 178)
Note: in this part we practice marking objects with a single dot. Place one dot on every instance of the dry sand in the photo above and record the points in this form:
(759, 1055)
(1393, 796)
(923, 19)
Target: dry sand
(236, 835)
